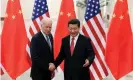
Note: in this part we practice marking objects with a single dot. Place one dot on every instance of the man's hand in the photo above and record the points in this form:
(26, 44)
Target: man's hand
(86, 63)
(51, 67)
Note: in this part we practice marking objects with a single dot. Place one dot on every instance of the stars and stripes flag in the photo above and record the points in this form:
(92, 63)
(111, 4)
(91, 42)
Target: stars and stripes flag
(40, 11)
(94, 28)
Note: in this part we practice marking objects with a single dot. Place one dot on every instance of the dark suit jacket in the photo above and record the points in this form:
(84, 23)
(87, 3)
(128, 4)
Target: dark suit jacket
(41, 55)
(73, 65)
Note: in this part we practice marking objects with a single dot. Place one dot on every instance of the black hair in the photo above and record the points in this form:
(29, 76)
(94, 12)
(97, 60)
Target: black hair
(74, 21)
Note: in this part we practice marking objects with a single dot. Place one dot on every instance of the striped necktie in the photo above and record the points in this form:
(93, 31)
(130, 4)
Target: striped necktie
(48, 41)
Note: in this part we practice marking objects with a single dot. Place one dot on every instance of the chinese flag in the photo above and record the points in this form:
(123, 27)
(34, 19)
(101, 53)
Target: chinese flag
(119, 56)
(66, 13)
(14, 56)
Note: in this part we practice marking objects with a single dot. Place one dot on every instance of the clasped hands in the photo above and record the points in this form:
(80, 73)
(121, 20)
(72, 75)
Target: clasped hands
(51, 67)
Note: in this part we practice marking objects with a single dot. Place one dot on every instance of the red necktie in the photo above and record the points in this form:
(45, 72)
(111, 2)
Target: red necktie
(72, 46)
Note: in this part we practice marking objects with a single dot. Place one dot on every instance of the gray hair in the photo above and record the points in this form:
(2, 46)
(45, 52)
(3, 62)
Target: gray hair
(46, 19)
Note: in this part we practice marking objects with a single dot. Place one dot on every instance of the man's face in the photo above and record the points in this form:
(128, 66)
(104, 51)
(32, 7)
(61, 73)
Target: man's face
(46, 27)
(73, 30)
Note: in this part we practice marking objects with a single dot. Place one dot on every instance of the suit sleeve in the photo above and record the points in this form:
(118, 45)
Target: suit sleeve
(35, 53)
(90, 51)
(60, 57)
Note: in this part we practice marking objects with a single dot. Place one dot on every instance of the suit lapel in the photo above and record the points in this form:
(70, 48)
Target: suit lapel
(68, 45)
(44, 40)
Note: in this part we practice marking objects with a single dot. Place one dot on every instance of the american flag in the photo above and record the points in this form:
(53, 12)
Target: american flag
(94, 28)
(40, 11)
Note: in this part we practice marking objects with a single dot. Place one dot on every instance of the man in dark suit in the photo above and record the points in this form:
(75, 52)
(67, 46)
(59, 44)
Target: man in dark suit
(77, 53)
(41, 49)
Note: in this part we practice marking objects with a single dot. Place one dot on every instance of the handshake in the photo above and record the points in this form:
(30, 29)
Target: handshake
(51, 67)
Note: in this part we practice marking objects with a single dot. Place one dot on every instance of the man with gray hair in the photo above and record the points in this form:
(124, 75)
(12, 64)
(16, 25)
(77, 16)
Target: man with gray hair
(41, 49)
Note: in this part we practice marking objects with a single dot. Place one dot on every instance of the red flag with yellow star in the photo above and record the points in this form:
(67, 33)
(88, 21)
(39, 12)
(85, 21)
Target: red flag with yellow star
(119, 56)
(66, 13)
(14, 56)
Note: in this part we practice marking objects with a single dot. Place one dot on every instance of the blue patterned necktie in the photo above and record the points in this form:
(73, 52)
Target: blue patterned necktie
(48, 41)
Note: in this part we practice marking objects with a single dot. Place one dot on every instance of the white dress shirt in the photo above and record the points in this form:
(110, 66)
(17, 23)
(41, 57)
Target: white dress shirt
(75, 39)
